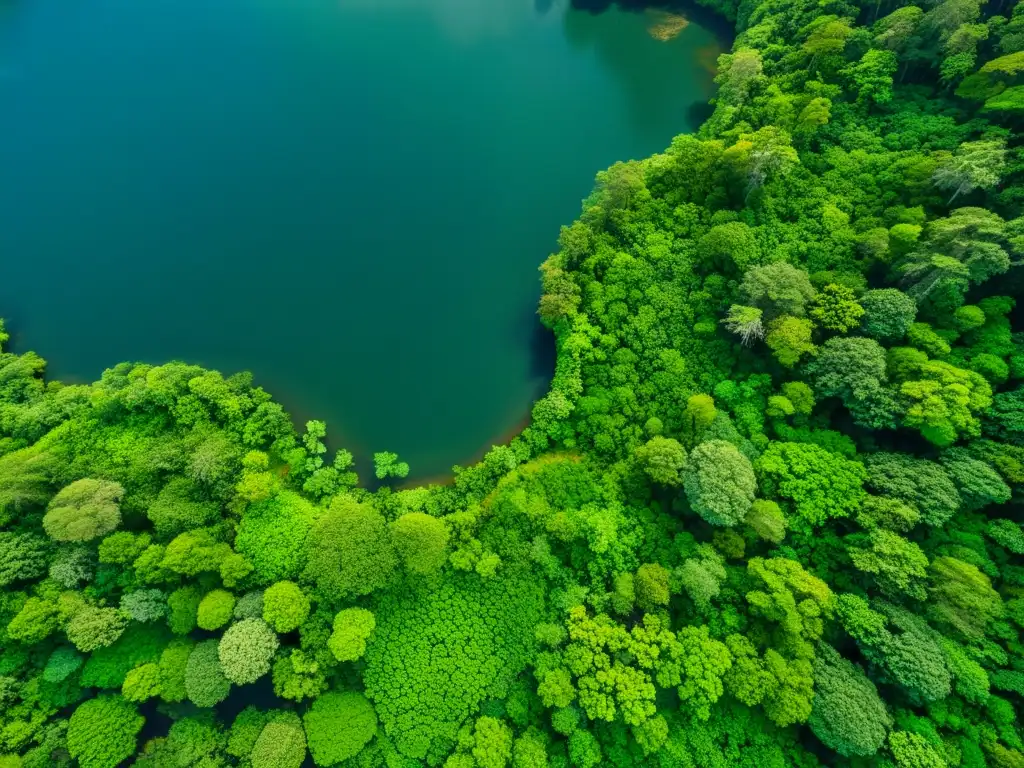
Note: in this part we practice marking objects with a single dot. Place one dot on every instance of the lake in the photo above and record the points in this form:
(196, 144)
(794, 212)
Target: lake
(350, 198)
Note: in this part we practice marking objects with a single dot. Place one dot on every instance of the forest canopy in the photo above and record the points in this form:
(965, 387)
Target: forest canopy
(769, 513)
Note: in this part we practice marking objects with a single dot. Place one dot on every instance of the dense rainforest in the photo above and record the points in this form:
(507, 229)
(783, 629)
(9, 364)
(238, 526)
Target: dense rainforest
(768, 515)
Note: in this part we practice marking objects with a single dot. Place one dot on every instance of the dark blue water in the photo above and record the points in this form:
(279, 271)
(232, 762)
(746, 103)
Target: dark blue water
(348, 198)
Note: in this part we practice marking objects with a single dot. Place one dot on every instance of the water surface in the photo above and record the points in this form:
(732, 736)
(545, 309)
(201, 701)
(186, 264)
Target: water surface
(347, 197)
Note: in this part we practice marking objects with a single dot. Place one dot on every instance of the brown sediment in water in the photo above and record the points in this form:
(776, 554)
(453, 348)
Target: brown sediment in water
(707, 57)
(446, 478)
(667, 26)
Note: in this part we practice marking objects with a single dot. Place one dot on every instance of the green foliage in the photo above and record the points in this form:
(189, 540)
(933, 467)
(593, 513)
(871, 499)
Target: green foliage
(836, 309)
(272, 535)
(352, 628)
(205, 682)
(557, 604)
(847, 716)
(767, 520)
(285, 606)
(245, 650)
(338, 726)
(85, 510)
(387, 465)
(178, 508)
(350, 551)
(421, 542)
(142, 683)
(719, 483)
(918, 483)
(662, 459)
(62, 663)
(817, 483)
(888, 314)
(91, 627)
(778, 289)
(899, 566)
(36, 621)
(962, 597)
(281, 743)
(215, 609)
(102, 732)
(436, 655)
(789, 338)
(23, 556)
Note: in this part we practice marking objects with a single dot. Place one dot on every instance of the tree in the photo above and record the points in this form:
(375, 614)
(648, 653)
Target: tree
(789, 596)
(896, 31)
(854, 370)
(352, 628)
(698, 417)
(91, 627)
(651, 585)
(993, 78)
(421, 541)
(765, 154)
(943, 401)
(272, 535)
(478, 632)
(492, 743)
(183, 608)
(818, 484)
(704, 661)
(23, 557)
(215, 609)
(836, 309)
(584, 749)
(731, 246)
(910, 750)
(919, 483)
(745, 322)
(662, 459)
(737, 74)
(962, 597)
(177, 509)
(888, 313)
(245, 651)
(978, 484)
(145, 605)
(338, 726)
(36, 621)
(102, 732)
(847, 714)
(24, 479)
(778, 289)
(174, 670)
(719, 483)
(790, 339)
(298, 676)
(205, 682)
(900, 567)
(884, 512)
(85, 510)
(281, 743)
(872, 76)
(62, 663)
(142, 683)
(767, 520)
(350, 551)
(974, 165)
(962, 249)
(387, 465)
(285, 606)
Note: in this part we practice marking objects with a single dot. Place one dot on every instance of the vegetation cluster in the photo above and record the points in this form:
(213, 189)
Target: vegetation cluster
(768, 515)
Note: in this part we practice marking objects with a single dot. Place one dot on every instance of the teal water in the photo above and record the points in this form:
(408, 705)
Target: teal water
(350, 198)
